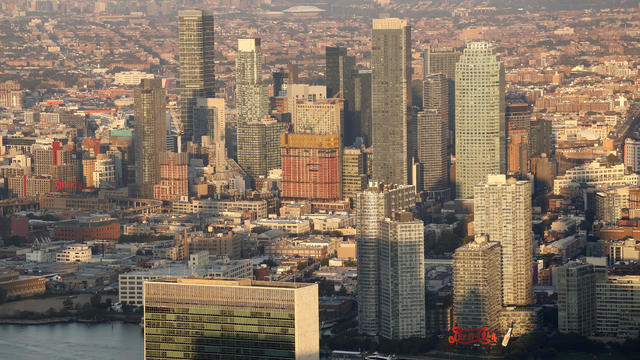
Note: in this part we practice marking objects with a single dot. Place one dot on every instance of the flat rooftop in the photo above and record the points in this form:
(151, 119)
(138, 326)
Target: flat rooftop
(198, 280)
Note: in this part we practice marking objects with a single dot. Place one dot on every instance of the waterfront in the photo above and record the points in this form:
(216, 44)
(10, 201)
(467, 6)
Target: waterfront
(102, 341)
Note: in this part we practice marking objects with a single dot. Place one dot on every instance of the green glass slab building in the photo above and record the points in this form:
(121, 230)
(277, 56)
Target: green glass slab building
(200, 318)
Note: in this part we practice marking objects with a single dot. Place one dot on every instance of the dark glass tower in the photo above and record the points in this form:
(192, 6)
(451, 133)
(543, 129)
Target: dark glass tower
(391, 100)
(150, 136)
(197, 67)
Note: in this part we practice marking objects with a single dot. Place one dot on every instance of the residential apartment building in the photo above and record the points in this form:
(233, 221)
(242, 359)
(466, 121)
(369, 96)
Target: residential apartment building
(372, 206)
(477, 290)
(594, 174)
(480, 117)
(402, 277)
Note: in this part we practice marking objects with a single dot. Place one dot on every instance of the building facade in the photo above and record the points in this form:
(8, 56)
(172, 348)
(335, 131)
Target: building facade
(618, 307)
(480, 117)
(340, 72)
(354, 178)
(594, 174)
(477, 293)
(575, 284)
(174, 180)
(632, 155)
(372, 206)
(252, 98)
(74, 254)
(259, 146)
(502, 211)
(233, 318)
(311, 167)
(150, 135)
(197, 66)
(391, 100)
(402, 278)
(443, 61)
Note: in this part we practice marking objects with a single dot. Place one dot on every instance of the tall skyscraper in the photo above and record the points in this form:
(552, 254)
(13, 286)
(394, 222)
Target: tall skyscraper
(391, 100)
(575, 284)
(476, 285)
(502, 211)
(197, 67)
(433, 138)
(203, 318)
(362, 105)
(480, 118)
(402, 281)
(519, 115)
(443, 61)
(150, 135)
(312, 156)
(259, 146)
(372, 206)
(518, 118)
(210, 115)
(252, 98)
(340, 70)
(517, 151)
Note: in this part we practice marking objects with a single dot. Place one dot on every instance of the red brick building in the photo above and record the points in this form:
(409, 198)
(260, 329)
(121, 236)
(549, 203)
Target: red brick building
(311, 167)
(18, 285)
(174, 179)
(86, 229)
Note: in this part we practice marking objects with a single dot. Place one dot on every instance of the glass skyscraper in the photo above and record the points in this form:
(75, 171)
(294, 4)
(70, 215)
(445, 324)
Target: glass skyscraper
(252, 98)
(200, 318)
(391, 100)
(150, 135)
(433, 138)
(374, 205)
(197, 67)
(480, 117)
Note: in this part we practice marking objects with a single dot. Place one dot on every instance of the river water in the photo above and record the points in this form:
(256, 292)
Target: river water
(70, 341)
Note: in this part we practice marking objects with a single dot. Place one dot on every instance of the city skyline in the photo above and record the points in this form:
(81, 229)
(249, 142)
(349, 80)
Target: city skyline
(277, 179)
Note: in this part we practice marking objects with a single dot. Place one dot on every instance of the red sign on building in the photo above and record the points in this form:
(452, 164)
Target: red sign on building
(472, 336)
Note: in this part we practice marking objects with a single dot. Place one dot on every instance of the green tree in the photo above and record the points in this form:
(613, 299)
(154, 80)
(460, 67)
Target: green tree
(612, 159)
(3, 295)
(324, 262)
(67, 303)
(96, 301)
(270, 263)
(450, 218)
(15, 240)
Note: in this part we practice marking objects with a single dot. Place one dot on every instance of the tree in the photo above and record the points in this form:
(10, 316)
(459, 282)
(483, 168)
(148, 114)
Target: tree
(326, 288)
(324, 262)
(15, 240)
(67, 303)
(3, 295)
(350, 263)
(270, 263)
(612, 159)
(450, 218)
(96, 301)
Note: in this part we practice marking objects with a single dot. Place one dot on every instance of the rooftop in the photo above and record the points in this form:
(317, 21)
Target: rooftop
(231, 282)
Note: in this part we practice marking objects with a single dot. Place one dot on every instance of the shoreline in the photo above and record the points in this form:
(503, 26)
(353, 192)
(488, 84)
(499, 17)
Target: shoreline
(66, 319)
